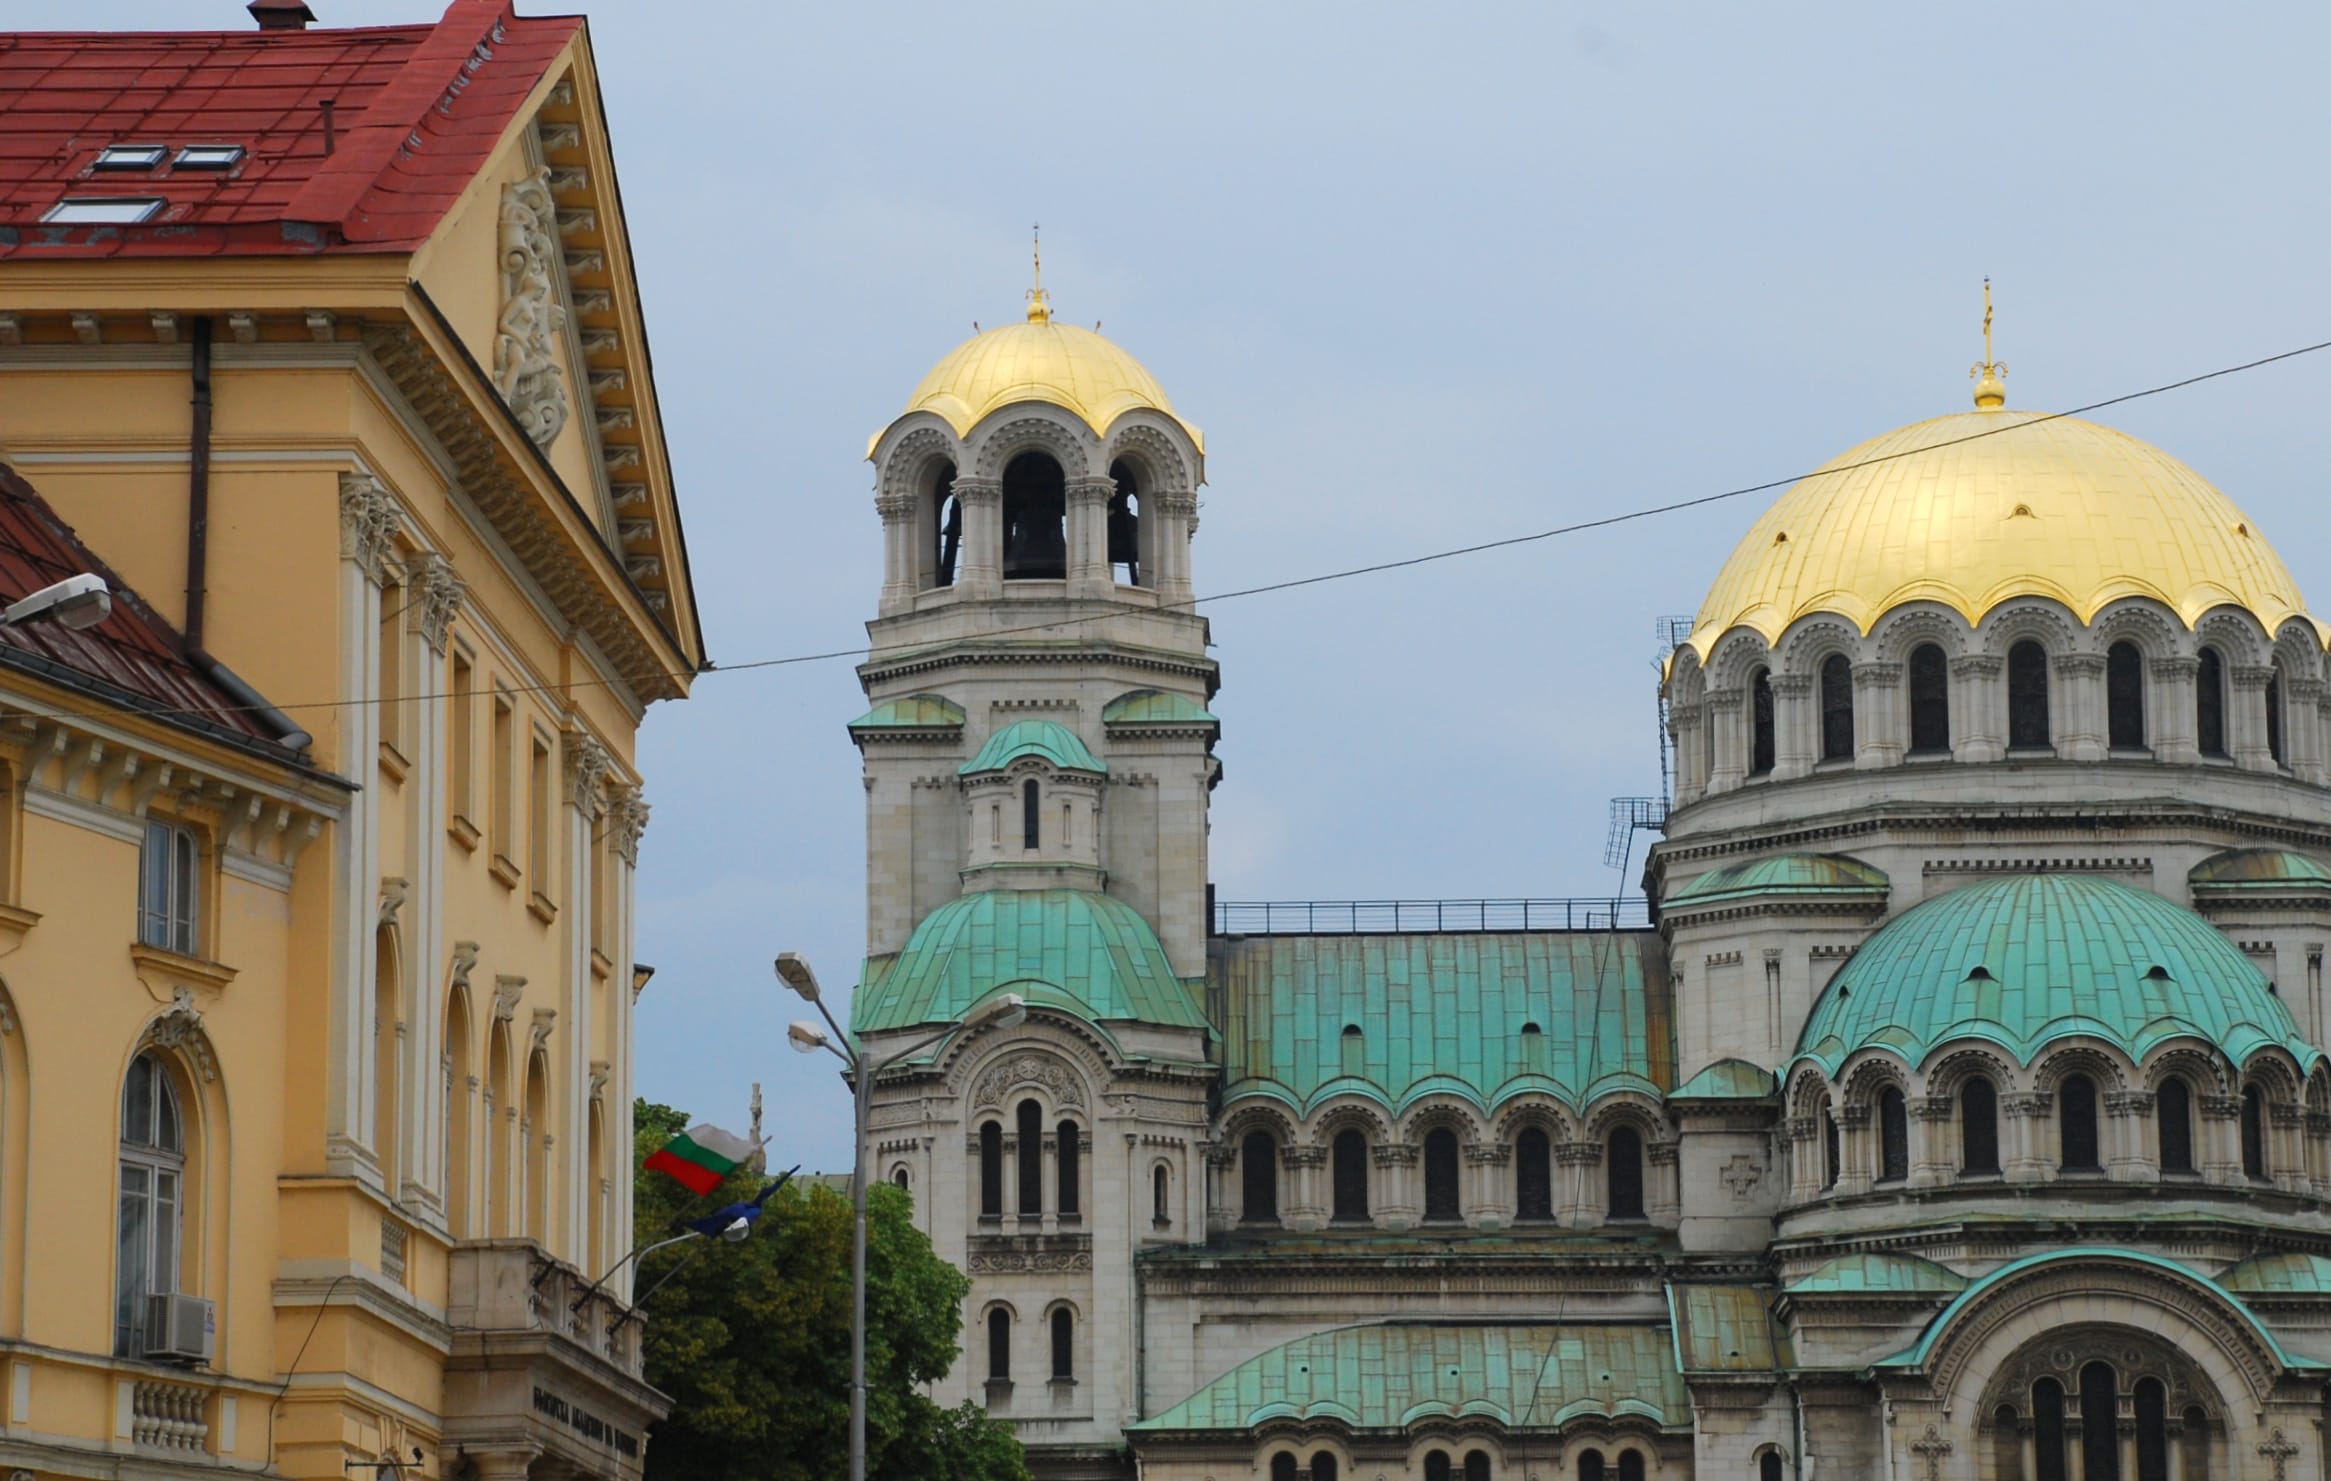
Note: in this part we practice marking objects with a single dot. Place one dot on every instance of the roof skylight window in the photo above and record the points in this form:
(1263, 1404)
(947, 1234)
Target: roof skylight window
(210, 157)
(132, 156)
(107, 210)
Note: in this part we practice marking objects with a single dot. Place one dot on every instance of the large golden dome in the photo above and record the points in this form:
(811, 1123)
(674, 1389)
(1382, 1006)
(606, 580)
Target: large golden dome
(1038, 360)
(1972, 509)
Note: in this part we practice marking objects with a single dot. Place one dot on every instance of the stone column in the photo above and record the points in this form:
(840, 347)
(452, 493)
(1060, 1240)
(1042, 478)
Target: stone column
(1486, 1204)
(502, 1465)
(2127, 1115)
(1305, 1204)
(2303, 699)
(1933, 1163)
(1395, 1179)
(2246, 719)
(2286, 1146)
(2080, 682)
(2171, 705)
(1856, 1135)
(1662, 1198)
(1796, 726)
(2026, 1153)
(899, 576)
(1176, 513)
(2218, 1139)
(1221, 1165)
(1877, 705)
(979, 562)
(1977, 706)
(1088, 537)
(1580, 1194)
(1691, 760)
(1728, 744)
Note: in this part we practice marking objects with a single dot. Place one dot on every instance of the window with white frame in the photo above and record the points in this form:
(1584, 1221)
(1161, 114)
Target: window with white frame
(169, 894)
(153, 1177)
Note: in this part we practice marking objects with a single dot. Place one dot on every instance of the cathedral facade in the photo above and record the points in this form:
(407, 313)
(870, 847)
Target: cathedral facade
(1960, 1111)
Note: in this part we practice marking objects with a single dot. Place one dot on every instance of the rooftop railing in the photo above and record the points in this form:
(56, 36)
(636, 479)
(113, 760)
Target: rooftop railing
(1359, 917)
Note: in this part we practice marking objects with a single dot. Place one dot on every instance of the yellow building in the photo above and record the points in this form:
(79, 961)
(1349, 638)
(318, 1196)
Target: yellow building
(316, 856)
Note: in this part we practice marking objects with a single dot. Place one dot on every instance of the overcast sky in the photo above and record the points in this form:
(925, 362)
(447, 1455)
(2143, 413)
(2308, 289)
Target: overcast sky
(1425, 278)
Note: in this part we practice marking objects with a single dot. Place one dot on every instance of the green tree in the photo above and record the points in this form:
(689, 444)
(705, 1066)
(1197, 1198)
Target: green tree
(752, 1340)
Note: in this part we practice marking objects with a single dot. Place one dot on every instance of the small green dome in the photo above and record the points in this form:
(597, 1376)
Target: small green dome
(1781, 876)
(2244, 870)
(1080, 952)
(2034, 958)
(1053, 742)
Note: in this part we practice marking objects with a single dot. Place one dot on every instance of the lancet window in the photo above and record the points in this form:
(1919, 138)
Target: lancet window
(1893, 1136)
(999, 1346)
(2253, 1133)
(2173, 1114)
(1623, 1172)
(2027, 696)
(1258, 1167)
(1930, 701)
(2124, 697)
(1035, 514)
(1440, 1171)
(991, 1170)
(2209, 704)
(1350, 1156)
(946, 528)
(2076, 1118)
(1978, 1127)
(1760, 724)
(2274, 719)
(1533, 1175)
(1124, 533)
(1069, 1154)
(1836, 708)
(1031, 1149)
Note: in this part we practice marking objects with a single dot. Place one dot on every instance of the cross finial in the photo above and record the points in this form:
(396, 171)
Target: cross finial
(1989, 375)
(1039, 308)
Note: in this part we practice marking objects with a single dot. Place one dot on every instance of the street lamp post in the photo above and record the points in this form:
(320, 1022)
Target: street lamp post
(1001, 1011)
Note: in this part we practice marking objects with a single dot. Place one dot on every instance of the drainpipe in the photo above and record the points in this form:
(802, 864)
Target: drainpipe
(288, 734)
(198, 486)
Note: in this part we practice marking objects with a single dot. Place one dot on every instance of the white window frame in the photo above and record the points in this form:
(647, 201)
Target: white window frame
(150, 1196)
(170, 888)
(103, 210)
(132, 157)
(209, 156)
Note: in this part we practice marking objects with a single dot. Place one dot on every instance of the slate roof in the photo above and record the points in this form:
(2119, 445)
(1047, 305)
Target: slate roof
(417, 109)
(1389, 1375)
(1054, 742)
(2031, 959)
(133, 659)
(1442, 1013)
(1073, 950)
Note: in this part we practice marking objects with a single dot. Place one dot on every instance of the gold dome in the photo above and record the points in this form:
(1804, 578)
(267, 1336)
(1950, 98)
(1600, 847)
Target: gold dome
(2031, 505)
(1039, 360)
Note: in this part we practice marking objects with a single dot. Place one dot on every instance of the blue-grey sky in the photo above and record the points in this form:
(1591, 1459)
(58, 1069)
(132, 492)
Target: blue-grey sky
(1425, 276)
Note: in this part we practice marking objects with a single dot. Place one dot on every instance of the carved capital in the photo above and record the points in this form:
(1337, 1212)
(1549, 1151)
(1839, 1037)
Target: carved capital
(368, 513)
(1176, 503)
(437, 595)
(1393, 1154)
(1792, 686)
(538, 1031)
(895, 508)
(978, 492)
(2081, 665)
(2175, 668)
(1305, 1157)
(1093, 493)
(465, 957)
(528, 370)
(629, 810)
(507, 991)
(1977, 666)
(587, 768)
(2129, 1102)
(1876, 675)
(2031, 1104)
(1488, 1154)
(2252, 675)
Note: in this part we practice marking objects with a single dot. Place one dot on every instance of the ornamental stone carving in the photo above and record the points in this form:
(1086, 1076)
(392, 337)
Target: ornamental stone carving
(1049, 1075)
(465, 958)
(527, 370)
(437, 596)
(507, 991)
(629, 811)
(367, 514)
(1031, 1262)
(179, 1027)
(538, 1031)
(587, 766)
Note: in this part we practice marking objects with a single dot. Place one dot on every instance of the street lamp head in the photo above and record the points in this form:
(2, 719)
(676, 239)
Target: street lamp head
(1007, 1010)
(737, 1231)
(806, 1037)
(793, 970)
(77, 601)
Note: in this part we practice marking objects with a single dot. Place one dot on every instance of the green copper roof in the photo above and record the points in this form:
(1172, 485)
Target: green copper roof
(915, 712)
(2238, 870)
(2031, 959)
(1055, 743)
(1786, 875)
(1727, 1329)
(1896, 1275)
(1080, 952)
(1155, 707)
(1916, 1354)
(1728, 1079)
(1389, 1376)
(2280, 1275)
(1442, 1013)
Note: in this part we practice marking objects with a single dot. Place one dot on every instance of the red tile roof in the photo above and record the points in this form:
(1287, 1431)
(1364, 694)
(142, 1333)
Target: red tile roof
(133, 659)
(415, 111)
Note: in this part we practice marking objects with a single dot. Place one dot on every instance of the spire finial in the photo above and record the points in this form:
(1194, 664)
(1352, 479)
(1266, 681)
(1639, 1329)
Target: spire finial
(1039, 307)
(1989, 375)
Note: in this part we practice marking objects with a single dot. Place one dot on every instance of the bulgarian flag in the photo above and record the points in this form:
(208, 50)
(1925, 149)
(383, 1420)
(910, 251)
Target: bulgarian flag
(700, 1157)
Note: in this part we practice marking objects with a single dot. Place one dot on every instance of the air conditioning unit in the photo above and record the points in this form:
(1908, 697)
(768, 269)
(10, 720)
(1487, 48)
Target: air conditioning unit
(180, 1329)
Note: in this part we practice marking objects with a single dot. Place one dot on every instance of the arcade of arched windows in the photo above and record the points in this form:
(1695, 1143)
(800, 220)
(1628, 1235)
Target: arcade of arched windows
(2101, 1401)
(1442, 1165)
(1598, 1451)
(1029, 1164)
(1972, 1118)
(2029, 681)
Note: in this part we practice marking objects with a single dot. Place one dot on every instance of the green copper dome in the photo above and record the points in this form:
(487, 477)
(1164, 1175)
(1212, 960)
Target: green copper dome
(1054, 742)
(2035, 958)
(1073, 950)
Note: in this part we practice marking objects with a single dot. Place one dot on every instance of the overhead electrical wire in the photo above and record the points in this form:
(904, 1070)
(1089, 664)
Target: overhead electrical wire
(1291, 584)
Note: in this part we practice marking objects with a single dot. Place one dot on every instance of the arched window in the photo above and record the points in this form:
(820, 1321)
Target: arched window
(2209, 704)
(1630, 1465)
(2152, 1430)
(2274, 718)
(991, 1170)
(534, 1130)
(2100, 1436)
(1035, 507)
(1158, 1190)
(1125, 522)
(460, 1075)
(1440, 1171)
(1031, 1150)
(387, 1059)
(2173, 1111)
(1768, 1466)
(153, 1199)
(1031, 814)
(1323, 1466)
(1533, 1175)
(1258, 1168)
(1284, 1466)
(2027, 696)
(1063, 1345)
(1760, 724)
(1437, 1466)
(901, 1179)
(2253, 1133)
(1476, 1465)
(2124, 696)
(1623, 1173)
(946, 528)
(1829, 1156)
(1930, 701)
(2197, 1444)
(2048, 1430)
(497, 1221)
(2007, 1431)
(1590, 1466)
(1351, 1176)
(1893, 1136)
(1071, 1145)
(999, 1346)
(1353, 1047)
(1836, 708)
(2076, 1113)
(1533, 1048)
(1978, 1127)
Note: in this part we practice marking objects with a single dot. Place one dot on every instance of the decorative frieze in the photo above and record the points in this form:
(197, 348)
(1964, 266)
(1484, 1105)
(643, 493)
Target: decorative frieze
(527, 368)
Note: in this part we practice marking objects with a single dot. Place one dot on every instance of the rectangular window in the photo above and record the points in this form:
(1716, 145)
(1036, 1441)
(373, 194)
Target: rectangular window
(505, 777)
(602, 899)
(392, 666)
(131, 156)
(210, 156)
(539, 815)
(461, 710)
(168, 875)
(119, 210)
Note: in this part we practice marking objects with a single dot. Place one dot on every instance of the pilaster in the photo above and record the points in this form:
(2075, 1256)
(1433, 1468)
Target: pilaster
(1978, 708)
(1088, 530)
(898, 550)
(2080, 683)
(979, 563)
(2246, 716)
(2172, 706)
(1730, 766)
(1796, 726)
(1876, 688)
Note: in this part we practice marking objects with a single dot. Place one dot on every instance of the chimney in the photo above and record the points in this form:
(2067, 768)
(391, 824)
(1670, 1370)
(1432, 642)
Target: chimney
(281, 15)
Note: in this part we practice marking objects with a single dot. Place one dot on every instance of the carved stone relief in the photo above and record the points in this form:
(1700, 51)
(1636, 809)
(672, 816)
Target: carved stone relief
(527, 370)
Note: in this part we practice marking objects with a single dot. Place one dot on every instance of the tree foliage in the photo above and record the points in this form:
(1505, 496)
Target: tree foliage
(752, 1340)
